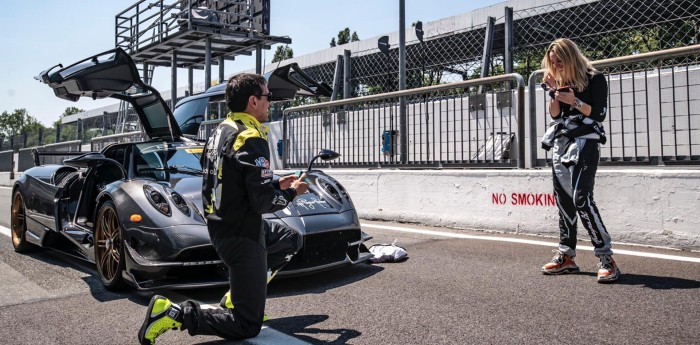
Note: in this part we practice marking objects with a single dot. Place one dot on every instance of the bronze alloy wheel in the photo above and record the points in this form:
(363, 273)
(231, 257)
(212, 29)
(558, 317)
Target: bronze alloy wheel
(19, 224)
(109, 250)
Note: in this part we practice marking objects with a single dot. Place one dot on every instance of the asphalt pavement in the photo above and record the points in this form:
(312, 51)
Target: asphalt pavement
(457, 287)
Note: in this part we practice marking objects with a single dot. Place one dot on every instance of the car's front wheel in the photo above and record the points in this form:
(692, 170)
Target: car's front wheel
(18, 224)
(109, 247)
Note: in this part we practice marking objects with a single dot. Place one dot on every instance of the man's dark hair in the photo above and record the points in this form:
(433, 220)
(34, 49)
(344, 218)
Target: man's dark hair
(240, 87)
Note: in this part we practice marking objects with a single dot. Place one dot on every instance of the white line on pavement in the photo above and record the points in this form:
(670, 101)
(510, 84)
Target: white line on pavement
(518, 240)
(5, 231)
(267, 335)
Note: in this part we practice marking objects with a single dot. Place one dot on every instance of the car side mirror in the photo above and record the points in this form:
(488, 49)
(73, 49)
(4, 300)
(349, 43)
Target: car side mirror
(324, 154)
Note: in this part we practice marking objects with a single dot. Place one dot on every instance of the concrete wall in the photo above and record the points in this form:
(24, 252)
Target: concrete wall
(652, 207)
(643, 206)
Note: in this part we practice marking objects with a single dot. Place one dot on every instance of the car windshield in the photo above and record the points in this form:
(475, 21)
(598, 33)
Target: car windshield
(164, 161)
(189, 115)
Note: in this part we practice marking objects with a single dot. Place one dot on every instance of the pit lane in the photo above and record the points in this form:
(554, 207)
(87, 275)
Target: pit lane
(457, 287)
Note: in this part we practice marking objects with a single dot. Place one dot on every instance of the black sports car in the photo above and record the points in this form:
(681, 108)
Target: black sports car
(135, 209)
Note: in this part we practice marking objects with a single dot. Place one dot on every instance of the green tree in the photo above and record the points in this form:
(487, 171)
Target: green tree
(283, 53)
(344, 36)
(17, 122)
(71, 111)
(68, 111)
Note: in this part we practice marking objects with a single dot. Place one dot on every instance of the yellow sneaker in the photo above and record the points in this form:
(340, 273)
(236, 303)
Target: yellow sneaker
(227, 304)
(161, 316)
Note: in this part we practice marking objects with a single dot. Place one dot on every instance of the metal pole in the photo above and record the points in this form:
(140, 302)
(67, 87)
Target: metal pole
(533, 117)
(207, 63)
(403, 123)
(258, 59)
(190, 80)
(222, 105)
(173, 80)
(347, 74)
(402, 45)
(521, 126)
(79, 130)
(104, 123)
(508, 55)
(336, 77)
(488, 44)
(145, 77)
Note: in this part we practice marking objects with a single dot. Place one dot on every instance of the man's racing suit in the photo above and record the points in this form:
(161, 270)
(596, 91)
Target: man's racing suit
(237, 190)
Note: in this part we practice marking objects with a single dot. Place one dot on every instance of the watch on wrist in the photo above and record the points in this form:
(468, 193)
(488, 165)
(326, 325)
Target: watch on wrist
(578, 104)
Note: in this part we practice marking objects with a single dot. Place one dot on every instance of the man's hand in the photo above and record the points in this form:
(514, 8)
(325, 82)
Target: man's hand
(286, 181)
(298, 184)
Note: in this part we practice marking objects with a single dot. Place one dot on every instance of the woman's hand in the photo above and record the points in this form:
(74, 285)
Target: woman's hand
(549, 80)
(565, 97)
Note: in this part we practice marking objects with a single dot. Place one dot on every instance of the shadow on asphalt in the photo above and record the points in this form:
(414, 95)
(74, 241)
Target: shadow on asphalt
(658, 283)
(300, 328)
(652, 282)
(322, 281)
(61, 259)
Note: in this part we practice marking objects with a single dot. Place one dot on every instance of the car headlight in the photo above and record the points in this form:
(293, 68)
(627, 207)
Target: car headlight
(157, 200)
(180, 203)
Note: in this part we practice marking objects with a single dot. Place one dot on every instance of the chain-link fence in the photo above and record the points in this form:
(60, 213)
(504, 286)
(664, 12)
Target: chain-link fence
(603, 29)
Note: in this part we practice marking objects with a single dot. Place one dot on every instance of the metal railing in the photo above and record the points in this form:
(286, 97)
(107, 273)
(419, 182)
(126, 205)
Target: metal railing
(149, 22)
(445, 126)
(98, 143)
(7, 162)
(653, 109)
(206, 127)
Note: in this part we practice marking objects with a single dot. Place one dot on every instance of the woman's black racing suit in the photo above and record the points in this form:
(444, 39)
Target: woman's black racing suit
(576, 140)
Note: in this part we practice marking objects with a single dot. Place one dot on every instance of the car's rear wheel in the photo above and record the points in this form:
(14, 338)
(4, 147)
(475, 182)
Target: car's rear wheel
(109, 247)
(18, 224)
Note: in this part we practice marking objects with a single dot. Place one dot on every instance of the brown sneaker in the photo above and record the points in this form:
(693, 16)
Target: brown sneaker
(560, 264)
(608, 270)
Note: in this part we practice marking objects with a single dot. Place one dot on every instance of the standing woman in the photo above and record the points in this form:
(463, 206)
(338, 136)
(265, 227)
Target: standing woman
(578, 104)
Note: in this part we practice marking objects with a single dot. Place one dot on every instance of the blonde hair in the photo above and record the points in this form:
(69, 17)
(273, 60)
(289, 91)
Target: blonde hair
(576, 66)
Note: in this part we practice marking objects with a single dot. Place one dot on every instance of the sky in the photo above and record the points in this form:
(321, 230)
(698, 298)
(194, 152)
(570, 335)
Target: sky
(39, 34)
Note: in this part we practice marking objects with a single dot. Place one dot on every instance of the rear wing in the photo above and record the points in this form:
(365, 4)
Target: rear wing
(290, 80)
(40, 157)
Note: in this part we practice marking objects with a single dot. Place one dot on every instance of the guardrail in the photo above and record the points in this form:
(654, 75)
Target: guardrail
(98, 143)
(206, 127)
(653, 109)
(442, 126)
(7, 162)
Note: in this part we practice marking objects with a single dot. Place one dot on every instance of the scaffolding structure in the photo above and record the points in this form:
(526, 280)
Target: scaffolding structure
(192, 34)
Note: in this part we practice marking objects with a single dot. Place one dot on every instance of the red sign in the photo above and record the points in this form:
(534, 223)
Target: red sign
(524, 199)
